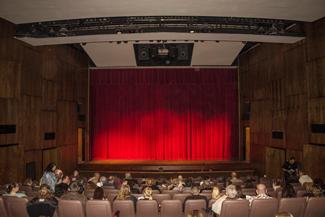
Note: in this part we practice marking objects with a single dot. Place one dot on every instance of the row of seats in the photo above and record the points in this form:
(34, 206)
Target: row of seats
(299, 207)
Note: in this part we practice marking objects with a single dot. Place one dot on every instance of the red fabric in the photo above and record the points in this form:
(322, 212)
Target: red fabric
(164, 114)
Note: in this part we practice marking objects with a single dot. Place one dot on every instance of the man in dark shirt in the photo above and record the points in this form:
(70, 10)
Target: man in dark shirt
(290, 169)
(63, 187)
(196, 196)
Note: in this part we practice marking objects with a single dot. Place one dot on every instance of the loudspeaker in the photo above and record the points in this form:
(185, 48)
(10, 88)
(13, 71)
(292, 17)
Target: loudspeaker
(277, 135)
(317, 128)
(7, 129)
(49, 136)
(143, 52)
(182, 52)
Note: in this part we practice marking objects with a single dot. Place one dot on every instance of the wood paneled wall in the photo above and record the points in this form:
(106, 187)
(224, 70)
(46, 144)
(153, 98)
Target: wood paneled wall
(285, 85)
(39, 91)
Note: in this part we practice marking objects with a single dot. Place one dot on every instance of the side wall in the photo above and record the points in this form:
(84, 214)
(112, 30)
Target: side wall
(40, 88)
(285, 86)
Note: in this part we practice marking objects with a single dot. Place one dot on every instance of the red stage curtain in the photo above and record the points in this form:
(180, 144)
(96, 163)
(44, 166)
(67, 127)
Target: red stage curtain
(164, 114)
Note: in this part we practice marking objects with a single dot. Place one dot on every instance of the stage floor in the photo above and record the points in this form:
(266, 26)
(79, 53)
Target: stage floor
(169, 168)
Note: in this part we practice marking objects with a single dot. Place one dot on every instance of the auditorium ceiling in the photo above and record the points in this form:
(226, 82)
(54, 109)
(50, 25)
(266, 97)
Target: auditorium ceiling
(20, 11)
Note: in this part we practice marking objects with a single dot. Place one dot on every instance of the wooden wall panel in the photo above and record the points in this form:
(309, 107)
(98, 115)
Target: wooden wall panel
(39, 90)
(274, 159)
(285, 85)
(314, 158)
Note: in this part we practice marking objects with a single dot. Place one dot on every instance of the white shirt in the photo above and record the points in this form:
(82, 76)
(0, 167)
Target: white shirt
(216, 207)
(305, 178)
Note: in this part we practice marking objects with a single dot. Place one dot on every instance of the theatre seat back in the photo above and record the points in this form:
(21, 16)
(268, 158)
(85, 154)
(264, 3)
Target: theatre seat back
(98, 208)
(181, 197)
(315, 207)
(71, 208)
(295, 206)
(171, 208)
(125, 207)
(147, 208)
(161, 197)
(3, 211)
(191, 205)
(234, 208)
(16, 207)
(264, 207)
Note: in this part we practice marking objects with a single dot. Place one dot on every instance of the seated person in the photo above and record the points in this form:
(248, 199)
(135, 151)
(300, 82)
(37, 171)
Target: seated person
(44, 204)
(261, 193)
(147, 194)
(231, 194)
(312, 190)
(13, 189)
(74, 194)
(288, 191)
(196, 196)
(125, 194)
(234, 180)
(290, 170)
(99, 194)
(95, 178)
(216, 194)
(240, 192)
(63, 187)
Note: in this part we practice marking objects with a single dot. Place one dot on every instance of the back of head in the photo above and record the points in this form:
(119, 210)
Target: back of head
(231, 192)
(50, 167)
(195, 190)
(215, 192)
(124, 192)
(195, 213)
(98, 193)
(74, 187)
(44, 192)
(12, 186)
(283, 214)
(261, 189)
(308, 186)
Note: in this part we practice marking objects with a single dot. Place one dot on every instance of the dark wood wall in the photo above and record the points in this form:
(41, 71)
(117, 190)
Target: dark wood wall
(285, 86)
(40, 88)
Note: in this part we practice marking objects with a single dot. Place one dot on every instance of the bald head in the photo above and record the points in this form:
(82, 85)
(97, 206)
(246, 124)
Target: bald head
(261, 189)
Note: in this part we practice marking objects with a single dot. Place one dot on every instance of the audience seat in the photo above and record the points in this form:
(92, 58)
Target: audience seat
(295, 206)
(191, 205)
(315, 207)
(155, 192)
(249, 191)
(71, 208)
(300, 193)
(180, 197)
(264, 207)
(208, 195)
(171, 208)
(16, 207)
(3, 211)
(126, 208)
(98, 208)
(171, 192)
(146, 208)
(235, 208)
(161, 197)
(111, 197)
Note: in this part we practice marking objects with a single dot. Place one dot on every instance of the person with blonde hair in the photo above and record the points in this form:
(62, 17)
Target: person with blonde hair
(283, 214)
(125, 194)
(147, 194)
(195, 213)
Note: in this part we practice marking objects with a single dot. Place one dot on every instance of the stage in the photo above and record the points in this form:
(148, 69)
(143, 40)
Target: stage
(166, 168)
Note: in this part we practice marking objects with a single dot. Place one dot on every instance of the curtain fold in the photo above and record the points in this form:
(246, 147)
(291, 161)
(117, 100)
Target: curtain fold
(164, 114)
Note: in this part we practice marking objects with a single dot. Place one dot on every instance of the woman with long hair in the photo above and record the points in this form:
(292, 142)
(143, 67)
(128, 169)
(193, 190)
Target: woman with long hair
(216, 194)
(125, 194)
(49, 177)
(147, 194)
(12, 190)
